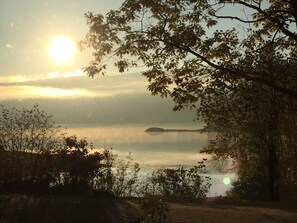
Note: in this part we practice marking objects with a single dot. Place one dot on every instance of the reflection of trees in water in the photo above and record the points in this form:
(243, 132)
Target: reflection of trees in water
(154, 133)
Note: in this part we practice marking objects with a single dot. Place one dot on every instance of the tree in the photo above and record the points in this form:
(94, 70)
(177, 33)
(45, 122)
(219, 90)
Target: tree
(27, 139)
(182, 43)
(250, 121)
(36, 155)
(191, 56)
(247, 123)
(76, 167)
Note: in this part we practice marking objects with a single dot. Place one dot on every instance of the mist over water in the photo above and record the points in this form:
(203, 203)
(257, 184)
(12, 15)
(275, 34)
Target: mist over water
(154, 150)
(168, 148)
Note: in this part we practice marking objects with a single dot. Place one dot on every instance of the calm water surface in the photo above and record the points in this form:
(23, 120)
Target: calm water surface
(153, 149)
(168, 148)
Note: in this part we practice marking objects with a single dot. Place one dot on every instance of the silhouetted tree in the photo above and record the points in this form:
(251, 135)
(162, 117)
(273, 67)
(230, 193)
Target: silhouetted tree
(185, 43)
(191, 57)
(27, 138)
(76, 165)
(249, 121)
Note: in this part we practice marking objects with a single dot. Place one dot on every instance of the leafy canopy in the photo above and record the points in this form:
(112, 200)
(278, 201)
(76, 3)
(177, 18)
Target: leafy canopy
(188, 49)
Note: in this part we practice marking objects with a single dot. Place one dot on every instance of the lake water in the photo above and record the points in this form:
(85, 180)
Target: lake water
(153, 150)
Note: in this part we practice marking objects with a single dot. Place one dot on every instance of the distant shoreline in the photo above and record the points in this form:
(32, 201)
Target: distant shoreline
(157, 129)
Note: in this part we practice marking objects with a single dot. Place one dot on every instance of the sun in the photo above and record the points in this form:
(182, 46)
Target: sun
(62, 49)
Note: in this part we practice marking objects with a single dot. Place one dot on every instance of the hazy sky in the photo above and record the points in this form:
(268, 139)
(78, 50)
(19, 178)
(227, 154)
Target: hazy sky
(29, 74)
(28, 26)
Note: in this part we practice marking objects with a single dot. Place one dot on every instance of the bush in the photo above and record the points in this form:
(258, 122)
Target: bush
(154, 209)
(190, 182)
(125, 177)
(28, 138)
(36, 155)
(252, 181)
(119, 177)
(76, 166)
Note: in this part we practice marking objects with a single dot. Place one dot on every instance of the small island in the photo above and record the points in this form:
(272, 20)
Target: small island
(158, 129)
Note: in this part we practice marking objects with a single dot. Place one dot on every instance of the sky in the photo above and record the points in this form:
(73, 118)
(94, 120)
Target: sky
(29, 74)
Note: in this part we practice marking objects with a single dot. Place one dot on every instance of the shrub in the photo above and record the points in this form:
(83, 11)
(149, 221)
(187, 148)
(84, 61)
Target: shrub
(36, 155)
(117, 176)
(252, 181)
(28, 138)
(190, 182)
(154, 209)
(125, 177)
(75, 165)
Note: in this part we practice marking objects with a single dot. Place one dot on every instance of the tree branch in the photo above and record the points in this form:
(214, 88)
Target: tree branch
(236, 72)
(272, 19)
(239, 19)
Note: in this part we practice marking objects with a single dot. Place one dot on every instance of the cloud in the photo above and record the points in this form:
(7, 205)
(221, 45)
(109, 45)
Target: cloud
(70, 85)
(47, 92)
(7, 80)
(78, 73)
(31, 92)
(19, 78)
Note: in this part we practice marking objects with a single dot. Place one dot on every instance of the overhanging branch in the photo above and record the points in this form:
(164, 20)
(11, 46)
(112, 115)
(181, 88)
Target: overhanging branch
(272, 19)
(239, 19)
(235, 72)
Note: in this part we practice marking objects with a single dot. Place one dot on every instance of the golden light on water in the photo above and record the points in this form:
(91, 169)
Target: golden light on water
(62, 49)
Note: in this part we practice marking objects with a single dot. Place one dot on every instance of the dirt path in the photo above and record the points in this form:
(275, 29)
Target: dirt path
(229, 214)
(214, 211)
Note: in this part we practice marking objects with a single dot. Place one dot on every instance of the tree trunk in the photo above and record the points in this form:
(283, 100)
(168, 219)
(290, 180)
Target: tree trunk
(273, 174)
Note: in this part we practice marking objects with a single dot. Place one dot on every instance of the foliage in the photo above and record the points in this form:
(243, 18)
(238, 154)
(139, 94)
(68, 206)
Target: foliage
(252, 182)
(182, 182)
(251, 122)
(183, 43)
(118, 177)
(36, 154)
(125, 177)
(76, 166)
(154, 208)
(28, 130)
(244, 79)
(192, 182)
(28, 138)
(104, 179)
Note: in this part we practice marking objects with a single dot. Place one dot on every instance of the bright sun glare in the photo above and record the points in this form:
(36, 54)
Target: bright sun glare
(227, 180)
(62, 49)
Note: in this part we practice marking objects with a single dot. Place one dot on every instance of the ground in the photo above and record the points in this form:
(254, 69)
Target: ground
(85, 208)
(231, 213)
